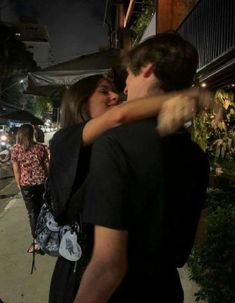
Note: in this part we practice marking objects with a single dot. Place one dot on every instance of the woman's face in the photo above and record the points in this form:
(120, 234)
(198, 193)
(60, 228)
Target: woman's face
(102, 99)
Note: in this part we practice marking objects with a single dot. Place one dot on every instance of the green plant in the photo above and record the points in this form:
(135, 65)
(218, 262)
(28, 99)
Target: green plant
(212, 262)
(144, 18)
(42, 105)
(215, 132)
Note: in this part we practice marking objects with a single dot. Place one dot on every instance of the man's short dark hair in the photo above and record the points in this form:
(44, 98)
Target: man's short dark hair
(175, 59)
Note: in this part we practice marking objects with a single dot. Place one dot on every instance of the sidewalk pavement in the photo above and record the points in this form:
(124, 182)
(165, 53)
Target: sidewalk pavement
(17, 285)
(189, 287)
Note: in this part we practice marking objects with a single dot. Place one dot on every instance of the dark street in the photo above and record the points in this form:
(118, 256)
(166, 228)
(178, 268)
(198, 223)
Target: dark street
(8, 187)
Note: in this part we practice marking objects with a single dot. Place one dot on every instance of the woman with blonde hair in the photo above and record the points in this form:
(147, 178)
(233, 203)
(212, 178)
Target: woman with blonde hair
(30, 166)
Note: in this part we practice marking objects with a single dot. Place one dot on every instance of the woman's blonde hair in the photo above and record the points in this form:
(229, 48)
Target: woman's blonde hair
(25, 136)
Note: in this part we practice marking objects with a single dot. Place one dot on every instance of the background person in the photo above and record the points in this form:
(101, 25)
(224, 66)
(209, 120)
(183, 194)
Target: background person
(38, 134)
(30, 167)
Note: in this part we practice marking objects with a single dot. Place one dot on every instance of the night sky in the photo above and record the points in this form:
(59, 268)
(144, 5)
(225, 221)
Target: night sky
(75, 26)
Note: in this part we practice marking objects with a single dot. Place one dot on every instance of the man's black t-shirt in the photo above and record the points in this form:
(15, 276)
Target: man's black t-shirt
(131, 187)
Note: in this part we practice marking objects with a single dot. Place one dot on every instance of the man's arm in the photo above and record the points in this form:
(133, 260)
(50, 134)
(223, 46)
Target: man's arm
(107, 266)
(106, 207)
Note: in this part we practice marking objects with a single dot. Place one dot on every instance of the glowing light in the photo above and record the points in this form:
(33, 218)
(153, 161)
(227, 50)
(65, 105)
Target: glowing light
(129, 10)
(3, 138)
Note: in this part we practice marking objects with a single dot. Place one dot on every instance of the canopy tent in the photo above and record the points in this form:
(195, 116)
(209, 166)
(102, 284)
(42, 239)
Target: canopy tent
(6, 108)
(47, 81)
(22, 116)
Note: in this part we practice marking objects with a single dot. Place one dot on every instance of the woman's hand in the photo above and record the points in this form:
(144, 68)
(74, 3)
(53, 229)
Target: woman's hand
(182, 108)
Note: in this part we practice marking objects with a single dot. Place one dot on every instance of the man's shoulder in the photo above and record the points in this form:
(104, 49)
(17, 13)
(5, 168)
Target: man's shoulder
(131, 130)
(134, 140)
(180, 150)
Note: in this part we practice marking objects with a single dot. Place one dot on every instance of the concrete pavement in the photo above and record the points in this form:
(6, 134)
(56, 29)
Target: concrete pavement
(17, 285)
(189, 287)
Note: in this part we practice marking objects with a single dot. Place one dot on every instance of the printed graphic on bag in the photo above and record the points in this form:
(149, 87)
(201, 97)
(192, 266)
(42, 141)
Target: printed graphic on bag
(57, 240)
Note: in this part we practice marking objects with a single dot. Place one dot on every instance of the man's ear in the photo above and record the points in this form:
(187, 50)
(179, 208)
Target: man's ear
(148, 69)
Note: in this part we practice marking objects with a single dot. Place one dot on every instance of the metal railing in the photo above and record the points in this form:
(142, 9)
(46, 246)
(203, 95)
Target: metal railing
(210, 27)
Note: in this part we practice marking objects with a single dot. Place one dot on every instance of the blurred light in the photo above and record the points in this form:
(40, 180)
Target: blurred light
(129, 11)
(3, 137)
(188, 124)
(203, 84)
(18, 34)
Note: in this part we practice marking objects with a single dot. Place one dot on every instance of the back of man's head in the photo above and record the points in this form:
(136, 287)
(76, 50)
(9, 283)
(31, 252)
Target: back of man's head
(175, 60)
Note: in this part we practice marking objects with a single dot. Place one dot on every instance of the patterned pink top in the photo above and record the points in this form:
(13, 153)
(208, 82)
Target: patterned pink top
(32, 163)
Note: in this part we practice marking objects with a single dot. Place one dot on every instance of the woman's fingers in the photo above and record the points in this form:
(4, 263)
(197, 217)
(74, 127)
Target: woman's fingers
(182, 108)
(175, 112)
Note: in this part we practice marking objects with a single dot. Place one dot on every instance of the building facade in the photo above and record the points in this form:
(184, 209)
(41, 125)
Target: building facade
(36, 39)
(208, 24)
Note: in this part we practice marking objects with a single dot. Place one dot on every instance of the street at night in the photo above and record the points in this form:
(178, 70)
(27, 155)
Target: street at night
(8, 188)
(117, 151)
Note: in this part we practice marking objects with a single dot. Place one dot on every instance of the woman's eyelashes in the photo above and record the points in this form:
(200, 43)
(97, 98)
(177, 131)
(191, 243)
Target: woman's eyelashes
(104, 92)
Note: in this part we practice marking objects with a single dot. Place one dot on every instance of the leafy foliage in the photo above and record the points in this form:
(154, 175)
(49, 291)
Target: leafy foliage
(212, 262)
(42, 105)
(144, 18)
(215, 132)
